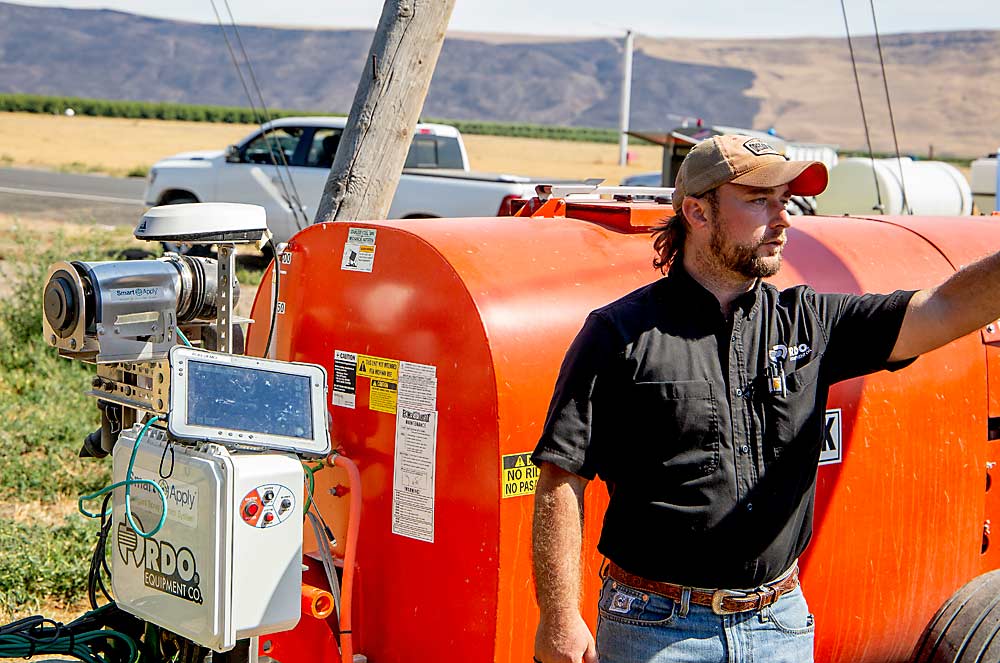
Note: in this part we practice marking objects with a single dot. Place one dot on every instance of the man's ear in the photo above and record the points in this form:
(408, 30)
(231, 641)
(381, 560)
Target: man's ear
(694, 211)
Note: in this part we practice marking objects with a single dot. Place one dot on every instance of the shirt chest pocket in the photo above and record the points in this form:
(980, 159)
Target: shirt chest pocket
(788, 416)
(677, 429)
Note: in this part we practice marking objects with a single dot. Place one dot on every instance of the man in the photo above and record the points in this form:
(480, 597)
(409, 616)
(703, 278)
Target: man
(684, 397)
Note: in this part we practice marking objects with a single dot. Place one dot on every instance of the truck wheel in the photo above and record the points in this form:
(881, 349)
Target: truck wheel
(198, 250)
(967, 627)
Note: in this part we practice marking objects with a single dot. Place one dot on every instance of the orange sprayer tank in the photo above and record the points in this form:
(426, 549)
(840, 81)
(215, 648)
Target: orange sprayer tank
(487, 307)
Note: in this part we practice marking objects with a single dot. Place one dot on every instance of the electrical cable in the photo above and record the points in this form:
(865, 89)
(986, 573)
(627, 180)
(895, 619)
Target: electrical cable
(892, 122)
(267, 114)
(128, 482)
(99, 568)
(85, 638)
(864, 117)
(276, 275)
(257, 117)
(311, 485)
(184, 339)
(326, 557)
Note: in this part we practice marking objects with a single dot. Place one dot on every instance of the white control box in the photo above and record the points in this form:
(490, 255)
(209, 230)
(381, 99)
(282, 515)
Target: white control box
(227, 563)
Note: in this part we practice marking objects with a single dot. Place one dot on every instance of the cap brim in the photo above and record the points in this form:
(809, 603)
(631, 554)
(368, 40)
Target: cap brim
(804, 178)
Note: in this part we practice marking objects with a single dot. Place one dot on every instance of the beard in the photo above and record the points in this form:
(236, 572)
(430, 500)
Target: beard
(742, 258)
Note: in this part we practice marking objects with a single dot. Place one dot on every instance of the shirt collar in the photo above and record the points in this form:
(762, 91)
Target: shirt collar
(703, 302)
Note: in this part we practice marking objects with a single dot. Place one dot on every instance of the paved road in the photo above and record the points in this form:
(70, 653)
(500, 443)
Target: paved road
(63, 196)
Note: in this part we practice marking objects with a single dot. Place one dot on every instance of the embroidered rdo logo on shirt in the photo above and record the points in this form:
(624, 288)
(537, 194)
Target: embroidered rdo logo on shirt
(790, 352)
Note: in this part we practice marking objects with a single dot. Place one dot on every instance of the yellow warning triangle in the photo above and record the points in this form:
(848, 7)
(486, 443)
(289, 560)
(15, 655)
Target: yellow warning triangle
(362, 367)
(520, 462)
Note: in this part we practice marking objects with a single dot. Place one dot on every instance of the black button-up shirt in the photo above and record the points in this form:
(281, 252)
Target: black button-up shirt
(710, 464)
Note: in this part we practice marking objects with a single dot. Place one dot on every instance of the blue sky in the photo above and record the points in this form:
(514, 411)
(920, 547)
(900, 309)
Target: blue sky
(705, 18)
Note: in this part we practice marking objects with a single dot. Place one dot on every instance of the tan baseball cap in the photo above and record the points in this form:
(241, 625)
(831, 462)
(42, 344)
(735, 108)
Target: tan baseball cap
(748, 161)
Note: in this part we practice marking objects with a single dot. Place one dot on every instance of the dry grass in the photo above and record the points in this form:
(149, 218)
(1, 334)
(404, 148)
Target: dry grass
(807, 90)
(104, 144)
(117, 146)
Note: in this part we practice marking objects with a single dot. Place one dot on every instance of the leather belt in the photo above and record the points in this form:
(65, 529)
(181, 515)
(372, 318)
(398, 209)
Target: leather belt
(721, 601)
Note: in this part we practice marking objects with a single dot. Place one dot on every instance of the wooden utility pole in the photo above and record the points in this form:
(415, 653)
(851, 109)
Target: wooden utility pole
(386, 107)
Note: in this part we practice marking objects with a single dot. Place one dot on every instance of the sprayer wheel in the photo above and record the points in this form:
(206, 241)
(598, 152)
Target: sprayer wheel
(966, 629)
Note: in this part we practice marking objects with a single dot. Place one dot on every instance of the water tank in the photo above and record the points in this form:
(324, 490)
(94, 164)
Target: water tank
(983, 178)
(933, 188)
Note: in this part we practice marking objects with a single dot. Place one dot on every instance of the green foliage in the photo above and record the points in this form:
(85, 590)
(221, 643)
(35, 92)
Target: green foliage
(39, 562)
(138, 171)
(44, 414)
(249, 276)
(33, 103)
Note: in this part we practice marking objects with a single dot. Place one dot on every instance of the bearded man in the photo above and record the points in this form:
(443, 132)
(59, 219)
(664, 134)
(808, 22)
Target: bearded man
(699, 399)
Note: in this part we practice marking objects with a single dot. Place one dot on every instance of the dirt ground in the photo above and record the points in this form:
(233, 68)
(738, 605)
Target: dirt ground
(118, 146)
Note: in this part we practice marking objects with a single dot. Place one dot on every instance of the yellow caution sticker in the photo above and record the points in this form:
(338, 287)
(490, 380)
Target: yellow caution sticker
(378, 368)
(382, 396)
(517, 475)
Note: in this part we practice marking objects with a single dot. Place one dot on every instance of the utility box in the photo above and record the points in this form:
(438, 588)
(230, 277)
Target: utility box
(226, 565)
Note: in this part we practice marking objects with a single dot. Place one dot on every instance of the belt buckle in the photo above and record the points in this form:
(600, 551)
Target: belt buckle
(717, 598)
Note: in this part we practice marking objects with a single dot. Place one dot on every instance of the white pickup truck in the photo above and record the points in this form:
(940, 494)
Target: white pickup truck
(436, 180)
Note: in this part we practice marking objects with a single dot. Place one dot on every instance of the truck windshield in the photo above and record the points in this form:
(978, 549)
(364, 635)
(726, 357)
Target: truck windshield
(428, 151)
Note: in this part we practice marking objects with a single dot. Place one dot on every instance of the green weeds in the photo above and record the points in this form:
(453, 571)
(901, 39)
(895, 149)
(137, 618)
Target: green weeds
(39, 565)
(44, 416)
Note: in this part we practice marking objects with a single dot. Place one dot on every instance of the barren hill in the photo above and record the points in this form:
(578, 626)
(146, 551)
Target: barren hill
(943, 85)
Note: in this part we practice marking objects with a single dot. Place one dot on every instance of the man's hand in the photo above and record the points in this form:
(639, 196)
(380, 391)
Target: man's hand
(556, 535)
(564, 638)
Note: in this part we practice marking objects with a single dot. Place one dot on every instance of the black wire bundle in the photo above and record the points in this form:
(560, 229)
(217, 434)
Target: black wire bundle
(99, 569)
(85, 638)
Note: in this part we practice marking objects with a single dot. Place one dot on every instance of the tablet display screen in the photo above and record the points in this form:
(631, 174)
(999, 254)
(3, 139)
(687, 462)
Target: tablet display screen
(237, 398)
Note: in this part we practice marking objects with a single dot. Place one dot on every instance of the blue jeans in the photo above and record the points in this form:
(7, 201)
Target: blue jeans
(634, 626)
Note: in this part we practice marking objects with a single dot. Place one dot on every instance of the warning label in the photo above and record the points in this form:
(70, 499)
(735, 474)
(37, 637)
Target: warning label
(359, 250)
(362, 235)
(345, 378)
(382, 396)
(517, 475)
(358, 258)
(378, 368)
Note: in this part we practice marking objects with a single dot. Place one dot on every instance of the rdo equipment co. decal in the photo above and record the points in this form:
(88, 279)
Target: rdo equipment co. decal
(165, 567)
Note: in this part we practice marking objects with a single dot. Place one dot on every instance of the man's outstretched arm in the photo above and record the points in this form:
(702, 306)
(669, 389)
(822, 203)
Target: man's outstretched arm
(966, 301)
(556, 540)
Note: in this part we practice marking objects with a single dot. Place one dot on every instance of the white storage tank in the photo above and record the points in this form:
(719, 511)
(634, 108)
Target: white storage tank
(983, 177)
(933, 188)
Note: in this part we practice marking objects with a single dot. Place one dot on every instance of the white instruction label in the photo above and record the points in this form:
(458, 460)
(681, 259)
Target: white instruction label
(361, 236)
(413, 474)
(345, 378)
(418, 386)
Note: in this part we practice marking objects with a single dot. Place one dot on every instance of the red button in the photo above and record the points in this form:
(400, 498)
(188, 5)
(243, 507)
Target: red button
(268, 517)
(252, 509)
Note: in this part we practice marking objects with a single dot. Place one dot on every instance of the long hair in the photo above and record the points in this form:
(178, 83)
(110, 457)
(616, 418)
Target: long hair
(668, 241)
(669, 236)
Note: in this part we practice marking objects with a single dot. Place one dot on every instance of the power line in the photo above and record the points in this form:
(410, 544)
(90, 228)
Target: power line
(864, 117)
(290, 197)
(885, 83)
